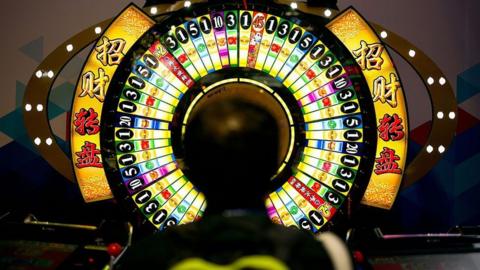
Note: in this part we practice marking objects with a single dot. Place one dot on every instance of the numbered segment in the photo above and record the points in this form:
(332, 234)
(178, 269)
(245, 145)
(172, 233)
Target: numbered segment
(169, 42)
(328, 89)
(272, 212)
(194, 209)
(271, 25)
(256, 33)
(196, 37)
(281, 34)
(206, 28)
(353, 121)
(150, 192)
(308, 62)
(292, 208)
(297, 55)
(245, 28)
(231, 26)
(288, 46)
(332, 198)
(346, 108)
(351, 148)
(329, 101)
(219, 28)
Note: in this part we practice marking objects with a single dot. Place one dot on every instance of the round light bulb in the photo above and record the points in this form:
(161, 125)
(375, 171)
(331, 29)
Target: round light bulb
(153, 10)
(187, 4)
(28, 107)
(383, 34)
(50, 74)
(441, 149)
(39, 107)
(37, 141)
(429, 149)
(98, 30)
(69, 47)
(442, 81)
(430, 81)
(48, 141)
(440, 115)
(327, 13)
(411, 53)
(294, 5)
(451, 115)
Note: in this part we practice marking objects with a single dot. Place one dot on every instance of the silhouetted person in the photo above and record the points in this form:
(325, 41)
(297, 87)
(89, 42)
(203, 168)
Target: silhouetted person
(231, 150)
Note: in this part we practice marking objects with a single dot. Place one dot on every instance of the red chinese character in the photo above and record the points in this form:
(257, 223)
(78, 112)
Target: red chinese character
(391, 128)
(88, 156)
(86, 122)
(387, 162)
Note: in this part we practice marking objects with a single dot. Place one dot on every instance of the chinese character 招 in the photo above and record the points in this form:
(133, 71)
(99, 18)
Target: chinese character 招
(391, 128)
(94, 86)
(386, 92)
(88, 156)
(110, 52)
(369, 56)
(387, 162)
(86, 122)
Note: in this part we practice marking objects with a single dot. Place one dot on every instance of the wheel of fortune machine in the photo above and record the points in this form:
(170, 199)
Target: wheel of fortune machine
(330, 84)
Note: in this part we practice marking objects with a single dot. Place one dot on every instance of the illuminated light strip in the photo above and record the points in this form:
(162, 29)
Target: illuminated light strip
(384, 182)
(156, 187)
(331, 157)
(92, 179)
(199, 44)
(286, 50)
(302, 47)
(285, 216)
(264, 45)
(193, 209)
(332, 100)
(334, 111)
(189, 110)
(272, 212)
(313, 56)
(311, 75)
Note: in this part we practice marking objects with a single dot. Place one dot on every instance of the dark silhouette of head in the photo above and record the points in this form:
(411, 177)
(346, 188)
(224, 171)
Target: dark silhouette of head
(231, 150)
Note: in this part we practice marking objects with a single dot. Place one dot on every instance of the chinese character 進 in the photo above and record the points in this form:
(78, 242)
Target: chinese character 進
(391, 128)
(94, 86)
(88, 156)
(368, 56)
(86, 122)
(387, 162)
(386, 92)
(110, 52)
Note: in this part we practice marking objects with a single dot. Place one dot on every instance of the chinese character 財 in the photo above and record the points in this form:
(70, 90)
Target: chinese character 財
(94, 86)
(368, 56)
(110, 52)
(386, 92)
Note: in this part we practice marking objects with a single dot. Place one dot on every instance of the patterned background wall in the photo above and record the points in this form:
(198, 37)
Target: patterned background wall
(446, 30)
